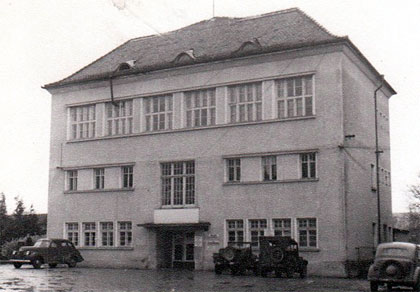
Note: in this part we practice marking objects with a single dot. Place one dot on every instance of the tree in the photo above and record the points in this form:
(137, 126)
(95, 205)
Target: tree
(414, 213)
(4, 220)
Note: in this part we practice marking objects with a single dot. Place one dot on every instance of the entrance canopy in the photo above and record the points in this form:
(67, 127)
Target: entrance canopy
(177, 226)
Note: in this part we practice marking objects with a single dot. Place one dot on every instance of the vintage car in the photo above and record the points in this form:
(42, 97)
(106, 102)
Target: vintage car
(47, 251)
(396, 263)
(281, 256)
(236, 257)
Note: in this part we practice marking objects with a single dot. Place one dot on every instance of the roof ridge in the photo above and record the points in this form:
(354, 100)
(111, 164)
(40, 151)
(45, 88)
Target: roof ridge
(317, 23)
(283, 11)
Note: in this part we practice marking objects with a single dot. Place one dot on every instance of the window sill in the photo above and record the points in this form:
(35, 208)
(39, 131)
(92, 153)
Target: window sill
(100, 191)
(270, 182)
(227, 125)
(179, 207)
(105, 248)
(309, 249)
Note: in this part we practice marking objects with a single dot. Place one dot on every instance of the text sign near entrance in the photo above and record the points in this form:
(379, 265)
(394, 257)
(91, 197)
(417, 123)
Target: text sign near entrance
(198, 241)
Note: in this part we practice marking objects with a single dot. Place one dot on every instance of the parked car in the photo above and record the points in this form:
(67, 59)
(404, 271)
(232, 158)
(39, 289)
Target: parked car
(47, 251)
(237, 257)
(281, 256)
(396, 263)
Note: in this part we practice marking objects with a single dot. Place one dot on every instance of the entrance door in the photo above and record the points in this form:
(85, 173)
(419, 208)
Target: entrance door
(183, 250)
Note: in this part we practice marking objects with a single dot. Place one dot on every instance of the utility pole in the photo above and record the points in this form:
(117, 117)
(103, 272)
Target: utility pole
(377, 153)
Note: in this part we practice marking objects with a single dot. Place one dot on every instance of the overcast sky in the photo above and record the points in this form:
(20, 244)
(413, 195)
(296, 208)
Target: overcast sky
(43, 41)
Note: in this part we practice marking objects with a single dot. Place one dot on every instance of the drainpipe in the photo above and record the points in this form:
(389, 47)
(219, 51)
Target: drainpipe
(377, 153)
(111, 88)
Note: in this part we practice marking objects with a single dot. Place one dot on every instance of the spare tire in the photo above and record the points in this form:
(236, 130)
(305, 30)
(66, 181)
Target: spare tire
(276, 254)
(228, 253)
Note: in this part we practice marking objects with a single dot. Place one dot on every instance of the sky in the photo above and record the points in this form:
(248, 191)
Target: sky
(43, 41)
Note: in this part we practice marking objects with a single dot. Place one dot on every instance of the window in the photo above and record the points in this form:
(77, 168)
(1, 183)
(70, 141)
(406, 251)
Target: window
(245, 102)
(72, 180)
(83, 122)
(295, 97)
(119, 118)
(200, 108)
(124, 229)
(107, 232)
(308, 163)
(307, 232)
(235, 230)
(158, 112)
(127, 176)
(282, 227)
(233, 169)
(269, 165)
(72, 231)
(256, 229)
(89, 233)
(178, 183)
(99, 178)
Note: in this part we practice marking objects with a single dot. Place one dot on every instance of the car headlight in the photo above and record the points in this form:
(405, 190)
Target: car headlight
(28, 252)
(14, 252)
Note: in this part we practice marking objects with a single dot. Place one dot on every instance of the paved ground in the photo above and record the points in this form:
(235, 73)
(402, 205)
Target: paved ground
(101, 280)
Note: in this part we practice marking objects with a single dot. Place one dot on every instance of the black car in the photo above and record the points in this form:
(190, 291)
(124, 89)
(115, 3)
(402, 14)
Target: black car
(47, 251)
(236, 257)
(396, 263)
(281, 256)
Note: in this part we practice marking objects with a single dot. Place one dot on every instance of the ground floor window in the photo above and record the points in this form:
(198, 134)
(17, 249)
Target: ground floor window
(256, 229)
(282, 227)
(72, 231)
(107, 233)
(235, 230)
(307, 231)
(89, 233)
(125, 233)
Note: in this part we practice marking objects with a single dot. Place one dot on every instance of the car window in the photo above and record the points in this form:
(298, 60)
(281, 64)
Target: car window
(53, 244)
(42, 243)
(63, 244)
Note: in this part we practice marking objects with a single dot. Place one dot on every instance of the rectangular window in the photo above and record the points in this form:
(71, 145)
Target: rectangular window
(89, 233)
(269, 167)
(245, 102)
(233, 169)
(99, 178)
(107, 232)
(282, 227)
(235, 230)
(72, 180)
(127, 176)
(178, 183)
(158, 112)
(125, 233)
(72, 231)
(82, 122)
(200, 108)
(308, 164)
(307, 231)
(119, 118)
(256, 229)
(295, 97)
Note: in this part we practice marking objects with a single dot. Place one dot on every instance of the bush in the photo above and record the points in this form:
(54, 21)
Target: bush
(12, 245)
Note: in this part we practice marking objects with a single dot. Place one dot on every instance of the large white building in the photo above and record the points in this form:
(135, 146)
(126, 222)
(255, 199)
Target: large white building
(171, 145)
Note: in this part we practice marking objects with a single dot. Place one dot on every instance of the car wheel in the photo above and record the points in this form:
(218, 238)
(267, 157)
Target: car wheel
(17, 265)
(277, 254)
(218, 269)
(228, 253)
(52, 266)
(71, 263)
(37, 263)
(374, 286)
(234, 270)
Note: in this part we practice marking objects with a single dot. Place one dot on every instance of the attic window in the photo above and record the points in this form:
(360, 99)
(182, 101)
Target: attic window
(186, 57)
(249, 46)
(126, 65)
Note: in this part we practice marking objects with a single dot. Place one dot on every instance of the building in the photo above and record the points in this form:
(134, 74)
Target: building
(171, 145)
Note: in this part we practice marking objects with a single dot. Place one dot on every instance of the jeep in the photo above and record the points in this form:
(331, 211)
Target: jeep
(237, 257)
(281, 256)
(396, 263)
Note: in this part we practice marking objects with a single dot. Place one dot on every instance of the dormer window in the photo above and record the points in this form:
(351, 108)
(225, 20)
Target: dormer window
(126, 65)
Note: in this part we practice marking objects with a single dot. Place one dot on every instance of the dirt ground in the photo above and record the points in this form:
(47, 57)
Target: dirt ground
(101, 280)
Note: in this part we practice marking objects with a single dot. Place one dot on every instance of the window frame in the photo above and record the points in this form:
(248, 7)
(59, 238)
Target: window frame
(106, 231)
(260, 230)
(158, 111)
(306, 97)
(89, 234)
(82, 122)
(119, 118)
(125, 234)
(269, 162)
(99, 178)
(72, 234)
(129, 182)
(198, 102)
(282, 228)
(311, 168)
(234, 165)
(236, 230)
(72, 180)
(170, 183)
(246, 96)
(307, 230)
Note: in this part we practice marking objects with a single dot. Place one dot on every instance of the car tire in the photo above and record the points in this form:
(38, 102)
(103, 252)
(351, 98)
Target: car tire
(276, 254)
(71, 263)
(228, 253)
(52, 266)
(234, 270)
(37, 263)
(218, 269)
(374, 286)
(17, 265)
